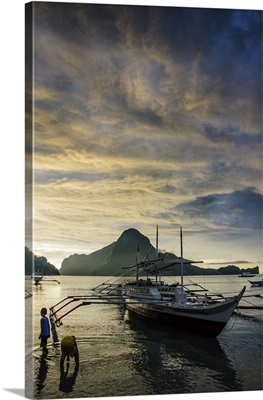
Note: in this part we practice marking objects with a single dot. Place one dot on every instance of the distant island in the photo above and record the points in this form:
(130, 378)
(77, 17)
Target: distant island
(35, 263)
(111, 259)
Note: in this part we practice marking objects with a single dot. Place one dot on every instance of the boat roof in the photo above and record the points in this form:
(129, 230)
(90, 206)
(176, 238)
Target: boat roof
(160, 264)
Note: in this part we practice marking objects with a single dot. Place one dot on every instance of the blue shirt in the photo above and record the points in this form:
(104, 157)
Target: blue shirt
(45, 330)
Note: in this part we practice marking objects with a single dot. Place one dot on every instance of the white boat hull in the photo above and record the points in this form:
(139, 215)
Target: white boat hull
(205, 319)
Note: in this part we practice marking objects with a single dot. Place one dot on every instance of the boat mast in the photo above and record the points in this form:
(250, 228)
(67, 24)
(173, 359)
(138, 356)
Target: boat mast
(156, 252)
(156, 247)
(137, 262)
(182, 264)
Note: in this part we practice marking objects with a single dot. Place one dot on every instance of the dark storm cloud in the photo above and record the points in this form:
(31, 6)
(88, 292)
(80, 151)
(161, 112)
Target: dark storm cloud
(147, 116)
(229, 134)
(240, 209)
(217, 44)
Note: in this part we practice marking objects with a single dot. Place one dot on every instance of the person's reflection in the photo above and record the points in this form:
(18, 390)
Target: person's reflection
(42, 373)
(67, 380)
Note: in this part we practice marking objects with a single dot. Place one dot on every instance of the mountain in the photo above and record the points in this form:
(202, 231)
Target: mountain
(40, 264)
(82, 264)
(111, 259)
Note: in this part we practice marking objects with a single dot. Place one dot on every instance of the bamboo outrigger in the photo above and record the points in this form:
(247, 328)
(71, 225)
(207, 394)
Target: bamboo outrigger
(188, 306)
(119, 300)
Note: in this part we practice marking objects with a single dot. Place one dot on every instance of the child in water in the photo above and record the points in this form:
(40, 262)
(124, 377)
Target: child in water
(44, 330)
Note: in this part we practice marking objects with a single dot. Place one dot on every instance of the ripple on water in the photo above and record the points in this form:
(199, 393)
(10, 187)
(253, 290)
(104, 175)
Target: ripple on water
(124, 355)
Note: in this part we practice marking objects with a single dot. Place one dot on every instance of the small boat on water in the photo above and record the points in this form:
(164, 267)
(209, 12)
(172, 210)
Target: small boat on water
(256, 283)
(246, 275)
(178, 304)
(37, 277)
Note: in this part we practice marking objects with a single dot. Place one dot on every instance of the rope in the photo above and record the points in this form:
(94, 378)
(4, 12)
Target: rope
(230, 329)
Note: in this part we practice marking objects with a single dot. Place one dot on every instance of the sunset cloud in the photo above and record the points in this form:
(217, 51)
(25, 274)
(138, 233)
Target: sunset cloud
(146, 115)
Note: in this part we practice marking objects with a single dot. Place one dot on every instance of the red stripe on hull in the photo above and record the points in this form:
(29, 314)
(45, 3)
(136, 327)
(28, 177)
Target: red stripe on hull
(208, 328)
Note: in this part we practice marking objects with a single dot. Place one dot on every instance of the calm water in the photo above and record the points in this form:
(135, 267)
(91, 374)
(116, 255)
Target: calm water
(121, 354)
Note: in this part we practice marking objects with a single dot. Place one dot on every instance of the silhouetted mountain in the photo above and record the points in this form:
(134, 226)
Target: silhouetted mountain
(82, 264)
(35, 263)
(233, 270)
(111, 259)
(125, 250)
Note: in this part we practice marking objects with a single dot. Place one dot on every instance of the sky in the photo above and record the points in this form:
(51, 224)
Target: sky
(146, 115)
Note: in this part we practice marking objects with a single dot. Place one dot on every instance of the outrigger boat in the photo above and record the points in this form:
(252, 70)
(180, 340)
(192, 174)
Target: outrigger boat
(38, 277)
(187, 306)
(246, 275)
(178, 304)
(256, 283)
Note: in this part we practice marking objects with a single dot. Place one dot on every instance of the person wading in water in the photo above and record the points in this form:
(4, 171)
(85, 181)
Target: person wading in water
(69, 348)
(44, 330)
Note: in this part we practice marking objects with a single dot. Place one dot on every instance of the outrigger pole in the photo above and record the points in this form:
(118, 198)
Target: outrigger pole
(85, 301)
(117, 300)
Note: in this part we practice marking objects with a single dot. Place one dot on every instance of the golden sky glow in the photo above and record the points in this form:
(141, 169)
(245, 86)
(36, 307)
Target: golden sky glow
(145, 116)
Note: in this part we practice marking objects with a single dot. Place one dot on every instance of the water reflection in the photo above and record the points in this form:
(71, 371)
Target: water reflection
(178, 361)
(67, 380)
(42, 373)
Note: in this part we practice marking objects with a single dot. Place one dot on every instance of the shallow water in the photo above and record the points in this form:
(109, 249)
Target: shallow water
(122, 354)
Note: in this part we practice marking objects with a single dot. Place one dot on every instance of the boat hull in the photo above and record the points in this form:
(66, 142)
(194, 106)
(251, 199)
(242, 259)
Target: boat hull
(208, 320)
(256, 283)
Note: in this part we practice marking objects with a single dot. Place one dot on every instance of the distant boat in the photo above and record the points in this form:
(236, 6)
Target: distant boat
(256, 283)
(246, 275)
(37, 277)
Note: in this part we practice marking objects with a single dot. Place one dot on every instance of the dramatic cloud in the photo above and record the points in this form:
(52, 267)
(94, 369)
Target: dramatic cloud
(240, 209)
(146, 115)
